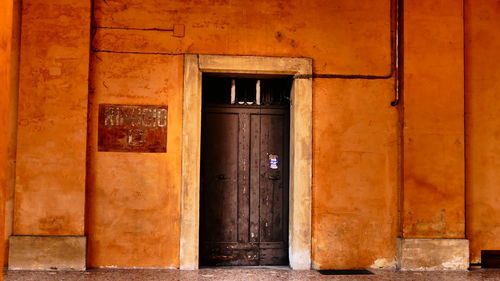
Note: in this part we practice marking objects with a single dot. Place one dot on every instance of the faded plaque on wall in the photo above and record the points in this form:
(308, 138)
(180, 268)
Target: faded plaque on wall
(132, 128)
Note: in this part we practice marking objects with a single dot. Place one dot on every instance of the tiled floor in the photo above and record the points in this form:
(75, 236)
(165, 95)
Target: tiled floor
(244, 274)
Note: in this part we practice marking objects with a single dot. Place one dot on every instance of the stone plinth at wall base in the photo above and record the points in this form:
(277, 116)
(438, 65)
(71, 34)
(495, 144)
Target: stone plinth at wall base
(433, 254)
(47, 252)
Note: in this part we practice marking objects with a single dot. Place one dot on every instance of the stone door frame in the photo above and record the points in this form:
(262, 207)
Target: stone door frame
(300, 148)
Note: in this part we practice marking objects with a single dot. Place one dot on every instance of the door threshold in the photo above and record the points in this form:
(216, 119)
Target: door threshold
(273, 267)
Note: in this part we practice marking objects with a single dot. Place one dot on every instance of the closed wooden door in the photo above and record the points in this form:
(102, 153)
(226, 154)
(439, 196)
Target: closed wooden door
(244, 185)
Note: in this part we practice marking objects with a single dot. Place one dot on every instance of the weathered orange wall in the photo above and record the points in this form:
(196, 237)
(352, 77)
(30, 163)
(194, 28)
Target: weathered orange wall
(328, 31)
(433, 132)
(52, 123)
(12, 122)
(355, 129)
(483, 125)
(132, 208)
(9, 49)
(6, 9)
(133, 198)
(356, 133)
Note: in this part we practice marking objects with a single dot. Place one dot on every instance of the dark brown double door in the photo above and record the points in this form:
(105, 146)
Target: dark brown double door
(244, 185)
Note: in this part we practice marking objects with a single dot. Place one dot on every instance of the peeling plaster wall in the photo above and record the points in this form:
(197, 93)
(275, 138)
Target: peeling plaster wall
(355, 218)
(483, 125)
(433, 131)
(52, 120)
(133, 198)
(327, 31)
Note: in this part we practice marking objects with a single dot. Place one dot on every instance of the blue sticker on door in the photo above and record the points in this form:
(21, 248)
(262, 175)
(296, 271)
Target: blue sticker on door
(273, 161)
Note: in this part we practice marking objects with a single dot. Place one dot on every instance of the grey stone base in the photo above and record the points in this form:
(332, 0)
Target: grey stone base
(433, 254)
(47, 252)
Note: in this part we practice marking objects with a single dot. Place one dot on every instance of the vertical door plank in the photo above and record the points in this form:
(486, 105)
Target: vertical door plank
(271, 184)
(255, 152)
(243, 177)
(273, 209)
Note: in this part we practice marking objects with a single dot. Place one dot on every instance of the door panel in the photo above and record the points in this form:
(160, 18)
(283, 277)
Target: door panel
(224, 212)
(244, 203)
(271, 180)
(273, 196)
(220, 177)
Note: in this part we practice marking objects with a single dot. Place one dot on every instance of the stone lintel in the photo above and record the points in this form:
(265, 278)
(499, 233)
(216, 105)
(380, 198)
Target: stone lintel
(433, 254)
(47, 252)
